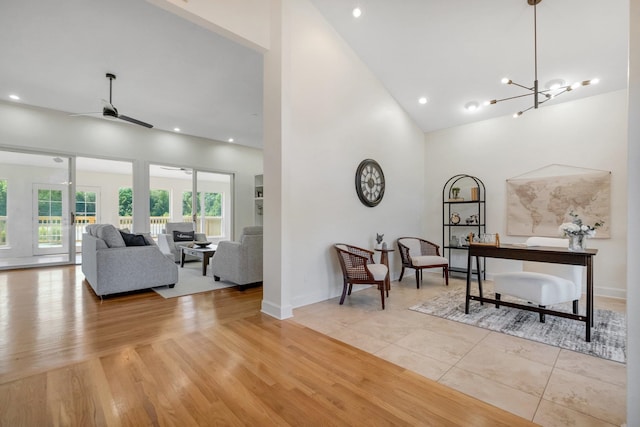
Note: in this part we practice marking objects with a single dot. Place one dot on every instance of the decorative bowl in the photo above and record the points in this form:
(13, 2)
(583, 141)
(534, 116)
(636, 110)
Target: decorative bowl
(202, 244)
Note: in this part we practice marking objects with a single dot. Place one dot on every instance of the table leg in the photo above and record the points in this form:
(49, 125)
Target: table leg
(590, 319)
(479, 279)
(466, 300)
(205, 262)
(182, 255)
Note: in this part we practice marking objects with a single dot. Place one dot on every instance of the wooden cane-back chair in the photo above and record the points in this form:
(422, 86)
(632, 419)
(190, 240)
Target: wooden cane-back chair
(358, 267)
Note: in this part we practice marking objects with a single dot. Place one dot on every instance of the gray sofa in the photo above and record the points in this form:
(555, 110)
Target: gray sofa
(110, 266)
(240, 262)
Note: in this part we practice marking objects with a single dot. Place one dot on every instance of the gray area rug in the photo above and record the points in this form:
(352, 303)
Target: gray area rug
(608, 337)
(191, 281)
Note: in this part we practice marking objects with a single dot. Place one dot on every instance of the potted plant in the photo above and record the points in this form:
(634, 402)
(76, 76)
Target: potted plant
(455, 192)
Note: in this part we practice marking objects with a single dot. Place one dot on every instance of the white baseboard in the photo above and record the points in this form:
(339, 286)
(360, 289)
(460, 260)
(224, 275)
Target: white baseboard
(276, 311)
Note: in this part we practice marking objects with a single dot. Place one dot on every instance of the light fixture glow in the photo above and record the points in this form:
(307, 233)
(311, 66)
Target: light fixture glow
(176, 129)
(471, 106)
(14, 97)
(557, 86)
(230, 140)
(357, 12)
(422, 100)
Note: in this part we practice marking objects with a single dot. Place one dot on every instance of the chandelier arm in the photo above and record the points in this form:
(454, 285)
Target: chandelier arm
(519, 85)
(495, 101)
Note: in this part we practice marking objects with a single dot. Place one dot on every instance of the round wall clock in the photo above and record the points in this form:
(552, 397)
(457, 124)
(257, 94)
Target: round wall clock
(370, 182)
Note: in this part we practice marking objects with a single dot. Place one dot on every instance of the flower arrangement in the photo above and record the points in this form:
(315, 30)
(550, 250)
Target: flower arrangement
(577, 228)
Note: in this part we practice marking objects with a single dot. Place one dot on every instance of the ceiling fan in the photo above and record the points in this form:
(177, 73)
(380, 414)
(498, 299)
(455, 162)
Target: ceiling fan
(185, 170)
(109, 111)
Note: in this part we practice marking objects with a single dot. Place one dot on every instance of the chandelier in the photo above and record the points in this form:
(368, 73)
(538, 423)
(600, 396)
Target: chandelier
(557, 88)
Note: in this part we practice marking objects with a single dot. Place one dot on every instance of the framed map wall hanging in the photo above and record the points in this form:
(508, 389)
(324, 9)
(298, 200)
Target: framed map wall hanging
(538, 204)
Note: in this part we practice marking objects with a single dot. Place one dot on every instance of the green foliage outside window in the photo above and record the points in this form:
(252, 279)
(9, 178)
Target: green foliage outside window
(159, 203)
(212, 204)
(3, 197)
(125, 202)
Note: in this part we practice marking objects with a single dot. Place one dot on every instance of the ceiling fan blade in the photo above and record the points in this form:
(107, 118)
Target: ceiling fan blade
(135, 121)
(91, 113)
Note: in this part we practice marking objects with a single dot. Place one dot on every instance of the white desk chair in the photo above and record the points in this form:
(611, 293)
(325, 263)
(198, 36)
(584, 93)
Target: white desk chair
(542, 283)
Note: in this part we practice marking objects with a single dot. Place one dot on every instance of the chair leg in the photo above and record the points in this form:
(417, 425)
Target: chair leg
(497, 300)
(418, 278)
(401, 274)
(350, 288)
(446, 275)
(344, 292)
(541, 314)
(382, 293)
(575, 307)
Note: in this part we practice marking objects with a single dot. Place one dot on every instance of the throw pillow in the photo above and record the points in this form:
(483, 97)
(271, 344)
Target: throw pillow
(111, 236)
(184, 236)
(133, 239)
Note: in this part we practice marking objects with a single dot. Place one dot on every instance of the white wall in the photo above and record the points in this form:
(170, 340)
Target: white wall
(633, 267)
(50, 131)
(335, 113)
(588, 133)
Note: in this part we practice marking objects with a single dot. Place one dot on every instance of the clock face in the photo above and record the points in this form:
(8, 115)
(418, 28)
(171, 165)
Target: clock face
(370, 182)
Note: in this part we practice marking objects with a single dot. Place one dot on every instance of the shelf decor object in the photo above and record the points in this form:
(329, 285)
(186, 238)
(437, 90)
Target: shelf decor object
(463, 219)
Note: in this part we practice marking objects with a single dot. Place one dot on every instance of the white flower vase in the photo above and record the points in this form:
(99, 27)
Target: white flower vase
(577, 242)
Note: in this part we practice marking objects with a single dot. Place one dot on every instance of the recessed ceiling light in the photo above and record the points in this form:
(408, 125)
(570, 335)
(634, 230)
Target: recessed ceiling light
(422, 100)
(14, 97)
(230, 139)
(555, 84)
(471, 106)
(357, 12)
(176, 129)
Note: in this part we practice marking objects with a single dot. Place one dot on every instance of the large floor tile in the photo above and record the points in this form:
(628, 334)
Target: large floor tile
(593, 367)
(508, 369)
(599, 399)
(418, 363)
(358, 339)
(550, 414)
(527, 349)
(500, 395)
(436, 346)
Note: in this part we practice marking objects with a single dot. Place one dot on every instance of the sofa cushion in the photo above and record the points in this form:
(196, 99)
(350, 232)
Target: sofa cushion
(133, 239)
(111, 236)
(184, 236)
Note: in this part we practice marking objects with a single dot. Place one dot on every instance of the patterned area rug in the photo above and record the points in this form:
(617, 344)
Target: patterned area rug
(608, 337)
(191, 281)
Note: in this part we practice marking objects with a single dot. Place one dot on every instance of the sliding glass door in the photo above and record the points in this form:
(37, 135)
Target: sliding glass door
(180, 194)
(36, 203)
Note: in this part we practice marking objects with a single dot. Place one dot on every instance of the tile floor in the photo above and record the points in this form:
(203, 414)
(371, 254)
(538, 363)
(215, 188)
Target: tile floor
(545, 384)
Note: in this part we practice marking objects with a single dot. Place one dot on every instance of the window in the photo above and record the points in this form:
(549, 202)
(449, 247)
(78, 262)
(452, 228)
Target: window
(210, 220)
(159, 203)
(49, 217)
(125, 207)
(86, 208)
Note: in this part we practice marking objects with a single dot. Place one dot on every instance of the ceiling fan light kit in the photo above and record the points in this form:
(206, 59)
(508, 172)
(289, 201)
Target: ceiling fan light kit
(554, 87)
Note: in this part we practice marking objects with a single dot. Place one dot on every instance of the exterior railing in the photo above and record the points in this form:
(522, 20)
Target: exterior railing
(50, 228)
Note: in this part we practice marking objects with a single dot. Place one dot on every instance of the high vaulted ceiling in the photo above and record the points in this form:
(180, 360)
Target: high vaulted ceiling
(172, 73)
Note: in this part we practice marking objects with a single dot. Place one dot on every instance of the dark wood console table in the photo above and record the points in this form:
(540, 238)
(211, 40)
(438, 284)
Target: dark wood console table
(539, 254)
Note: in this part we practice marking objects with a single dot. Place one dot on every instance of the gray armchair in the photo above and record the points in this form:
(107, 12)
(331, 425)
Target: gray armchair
(240, 262)
(170, 246)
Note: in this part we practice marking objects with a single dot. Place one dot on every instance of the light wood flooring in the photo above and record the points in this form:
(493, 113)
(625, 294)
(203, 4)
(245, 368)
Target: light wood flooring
(68, 358)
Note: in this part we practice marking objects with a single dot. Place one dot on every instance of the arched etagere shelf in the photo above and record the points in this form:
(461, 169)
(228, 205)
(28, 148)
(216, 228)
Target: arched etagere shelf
(464, 211)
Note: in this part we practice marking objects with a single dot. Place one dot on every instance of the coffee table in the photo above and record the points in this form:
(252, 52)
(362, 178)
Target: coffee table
(204, 254)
